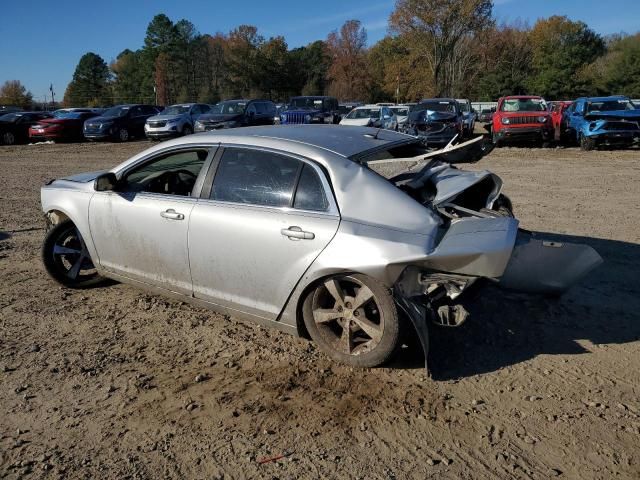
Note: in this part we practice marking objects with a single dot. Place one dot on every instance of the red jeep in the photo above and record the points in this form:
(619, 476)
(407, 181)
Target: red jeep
(522, 118)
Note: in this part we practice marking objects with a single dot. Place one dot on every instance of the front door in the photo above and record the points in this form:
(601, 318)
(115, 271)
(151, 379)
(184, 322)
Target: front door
(140, 231)
(266, 219)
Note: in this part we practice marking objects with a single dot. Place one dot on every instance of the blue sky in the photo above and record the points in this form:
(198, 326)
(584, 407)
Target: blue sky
(45, 39)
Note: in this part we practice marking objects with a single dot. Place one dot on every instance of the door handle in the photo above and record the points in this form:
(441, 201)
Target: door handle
(296, 233)
(171, 214)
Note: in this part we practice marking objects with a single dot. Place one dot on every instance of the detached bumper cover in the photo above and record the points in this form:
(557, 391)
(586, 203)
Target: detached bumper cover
(544, 266)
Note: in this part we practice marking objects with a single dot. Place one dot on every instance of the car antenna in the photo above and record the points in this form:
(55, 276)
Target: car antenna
(375, 137)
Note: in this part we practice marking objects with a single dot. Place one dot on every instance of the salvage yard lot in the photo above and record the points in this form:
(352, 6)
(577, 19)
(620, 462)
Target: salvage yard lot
(116, 383)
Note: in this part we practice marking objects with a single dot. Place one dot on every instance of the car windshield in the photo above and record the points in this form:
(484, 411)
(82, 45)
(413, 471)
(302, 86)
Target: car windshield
(364, 113)
(435, 106)
(63, 114)
(306, 103)
(523, 105)
(464, 106)
(228, 108)
(176, 110)
(116, 112)
(610, 106)
(402, 111)
(10, 117)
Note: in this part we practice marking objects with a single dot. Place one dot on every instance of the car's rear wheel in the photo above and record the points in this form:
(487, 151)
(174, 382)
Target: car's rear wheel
(8, 138)
(66, 258)
(353, 318)
(123, 135)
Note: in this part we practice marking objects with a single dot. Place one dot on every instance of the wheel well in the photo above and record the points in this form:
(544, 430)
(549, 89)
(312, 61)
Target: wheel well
(54, 217)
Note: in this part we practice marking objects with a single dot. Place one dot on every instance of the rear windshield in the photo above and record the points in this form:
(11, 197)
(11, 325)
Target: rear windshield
(406, 150)
(364, 113)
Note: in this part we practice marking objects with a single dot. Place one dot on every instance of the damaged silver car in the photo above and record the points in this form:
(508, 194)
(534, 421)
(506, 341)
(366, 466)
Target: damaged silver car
(310, 229)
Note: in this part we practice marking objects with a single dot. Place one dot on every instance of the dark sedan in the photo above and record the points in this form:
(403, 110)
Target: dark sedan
(119, 123)
(14, 127)
(63, 126)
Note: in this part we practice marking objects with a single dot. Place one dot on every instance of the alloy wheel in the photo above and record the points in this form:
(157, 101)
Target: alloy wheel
(71, 256)
(347, 315)
(8, 138)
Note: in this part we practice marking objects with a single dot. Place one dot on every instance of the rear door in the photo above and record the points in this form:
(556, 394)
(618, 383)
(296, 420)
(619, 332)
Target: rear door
(260, 225)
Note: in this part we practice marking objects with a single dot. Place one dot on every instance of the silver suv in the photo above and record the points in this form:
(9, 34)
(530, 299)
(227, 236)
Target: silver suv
(174, 121)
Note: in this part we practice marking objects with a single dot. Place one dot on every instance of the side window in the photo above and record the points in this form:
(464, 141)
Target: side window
(135, 112)
(260, 107)
(171, 174)
(204, 108)
(580, 107)
(310, 193)
(255, 177)
(251, 109)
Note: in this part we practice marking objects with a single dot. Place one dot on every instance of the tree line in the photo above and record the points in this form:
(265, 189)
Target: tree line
(433, 48)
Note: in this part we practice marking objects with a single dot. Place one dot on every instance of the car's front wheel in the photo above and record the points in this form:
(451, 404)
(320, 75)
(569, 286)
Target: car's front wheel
(187, 130)
(587, 143)
(123, 135)
(353, 318)
(66, 258)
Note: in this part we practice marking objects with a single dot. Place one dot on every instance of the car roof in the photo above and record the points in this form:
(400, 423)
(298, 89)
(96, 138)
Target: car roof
(313, 141)
(424, 100)
(522, 96)
(604, 99)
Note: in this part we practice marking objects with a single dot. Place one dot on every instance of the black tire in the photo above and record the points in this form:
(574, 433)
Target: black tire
(8, 138)
(501, 208)
(123, 135)
(587, 143)
(378, 313)
(62, 251)
(186, 130)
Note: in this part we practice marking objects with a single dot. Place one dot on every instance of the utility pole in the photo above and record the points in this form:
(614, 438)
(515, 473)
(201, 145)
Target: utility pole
(53, 97)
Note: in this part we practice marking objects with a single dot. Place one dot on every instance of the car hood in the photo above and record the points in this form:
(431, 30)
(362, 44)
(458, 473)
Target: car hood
(426, 116)
(101, 119)
(166, 117)
(362, 122)
(220, 117)
(306, 111)
(633, 115)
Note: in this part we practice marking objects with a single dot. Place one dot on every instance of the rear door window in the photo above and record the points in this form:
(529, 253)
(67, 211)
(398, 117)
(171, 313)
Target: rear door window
(310, 193)
(255, 177)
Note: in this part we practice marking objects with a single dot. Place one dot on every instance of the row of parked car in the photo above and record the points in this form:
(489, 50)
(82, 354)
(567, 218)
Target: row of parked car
(590, 121)
(587, 121)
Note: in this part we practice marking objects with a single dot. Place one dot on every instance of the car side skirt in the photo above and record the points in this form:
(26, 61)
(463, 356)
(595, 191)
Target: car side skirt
(248, 317)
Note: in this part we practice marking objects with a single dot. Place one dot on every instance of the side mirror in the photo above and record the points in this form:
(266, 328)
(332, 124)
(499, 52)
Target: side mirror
(106, 182)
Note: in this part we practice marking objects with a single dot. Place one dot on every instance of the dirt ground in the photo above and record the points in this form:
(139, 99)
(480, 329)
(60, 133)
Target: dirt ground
(116, 383)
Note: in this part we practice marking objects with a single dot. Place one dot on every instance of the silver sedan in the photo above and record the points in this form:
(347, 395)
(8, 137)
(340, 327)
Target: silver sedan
(304, 229)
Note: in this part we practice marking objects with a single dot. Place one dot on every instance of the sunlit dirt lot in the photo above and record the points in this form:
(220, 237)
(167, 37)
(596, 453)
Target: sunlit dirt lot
(102, 383)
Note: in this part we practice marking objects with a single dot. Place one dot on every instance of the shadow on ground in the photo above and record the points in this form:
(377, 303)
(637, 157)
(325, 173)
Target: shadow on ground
(506, 328)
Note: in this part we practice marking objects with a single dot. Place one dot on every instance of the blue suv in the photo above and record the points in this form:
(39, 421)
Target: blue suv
(595, 121)
(311, 110)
